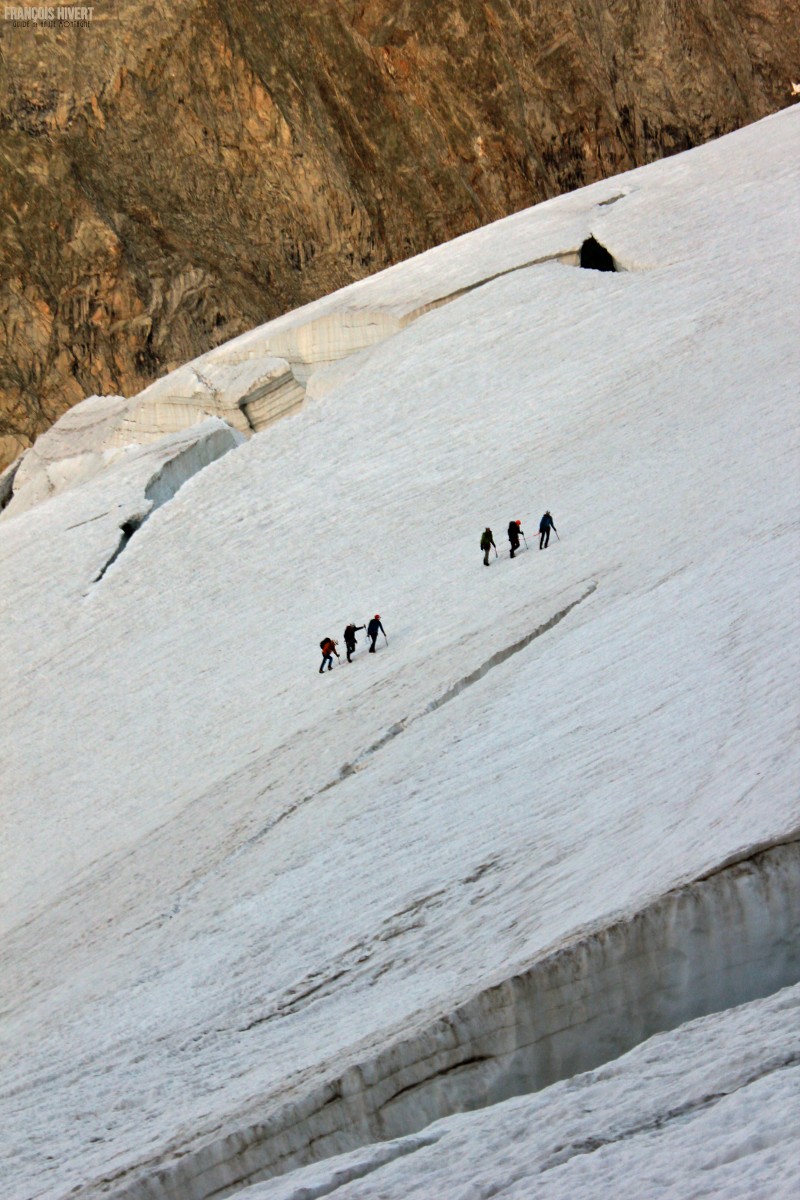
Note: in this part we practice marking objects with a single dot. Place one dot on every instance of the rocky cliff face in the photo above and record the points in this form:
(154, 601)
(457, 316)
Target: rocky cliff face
(176, 173)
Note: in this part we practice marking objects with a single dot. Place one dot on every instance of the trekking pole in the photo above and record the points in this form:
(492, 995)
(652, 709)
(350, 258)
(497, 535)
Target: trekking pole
(385, 637)
(555, 531)
(495, 551)
(525, 540)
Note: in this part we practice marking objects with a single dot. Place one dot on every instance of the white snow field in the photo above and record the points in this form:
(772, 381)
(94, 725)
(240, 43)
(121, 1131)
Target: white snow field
(253, 918)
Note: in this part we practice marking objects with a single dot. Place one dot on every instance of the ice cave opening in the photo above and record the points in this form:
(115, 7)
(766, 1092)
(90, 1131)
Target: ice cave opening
(595, 257)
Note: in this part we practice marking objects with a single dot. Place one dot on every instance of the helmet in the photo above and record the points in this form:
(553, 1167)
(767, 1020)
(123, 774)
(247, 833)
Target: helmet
(518, 522)
(377, 616)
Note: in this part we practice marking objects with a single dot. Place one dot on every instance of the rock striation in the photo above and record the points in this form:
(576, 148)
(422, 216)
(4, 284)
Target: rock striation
(177, 174)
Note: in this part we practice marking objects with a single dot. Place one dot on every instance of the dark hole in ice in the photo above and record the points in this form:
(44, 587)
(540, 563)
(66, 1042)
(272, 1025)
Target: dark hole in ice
(595, 257)
(127, 529)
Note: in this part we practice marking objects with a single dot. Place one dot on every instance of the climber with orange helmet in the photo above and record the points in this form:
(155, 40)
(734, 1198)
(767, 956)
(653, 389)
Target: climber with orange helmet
(372, 631)
(514, 532)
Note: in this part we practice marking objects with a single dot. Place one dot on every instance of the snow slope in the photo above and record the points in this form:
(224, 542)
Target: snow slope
(245, 909)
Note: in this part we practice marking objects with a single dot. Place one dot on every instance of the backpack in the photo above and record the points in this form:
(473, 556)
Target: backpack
(324, 643)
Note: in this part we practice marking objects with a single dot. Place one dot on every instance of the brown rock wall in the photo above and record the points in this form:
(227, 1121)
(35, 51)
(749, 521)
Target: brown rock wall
(177, 173)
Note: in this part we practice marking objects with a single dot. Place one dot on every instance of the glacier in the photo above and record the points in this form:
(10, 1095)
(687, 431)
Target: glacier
(510, 907)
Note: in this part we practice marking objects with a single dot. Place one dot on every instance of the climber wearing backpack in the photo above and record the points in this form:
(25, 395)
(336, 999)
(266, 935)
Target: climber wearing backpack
(487, 541)
(350, 639)
(514, 533)
(328, 648)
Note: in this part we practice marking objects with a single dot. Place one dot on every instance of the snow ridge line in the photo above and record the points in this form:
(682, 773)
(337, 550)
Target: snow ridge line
(455, 690)
(563, 257)
(737, 857)
(380, 1156)
(281, 344)
(566, 258)
(574, 1149)
(369, 317)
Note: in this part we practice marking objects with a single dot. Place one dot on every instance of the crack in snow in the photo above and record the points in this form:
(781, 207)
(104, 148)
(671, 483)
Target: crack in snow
(348, 769)
(88, 521)
(466, 681)
(568, 258)
(612, 200)
(162, 487)
(127, 530)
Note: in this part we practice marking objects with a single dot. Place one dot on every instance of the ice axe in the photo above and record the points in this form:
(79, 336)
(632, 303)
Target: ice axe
(525, 540)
